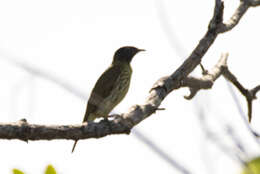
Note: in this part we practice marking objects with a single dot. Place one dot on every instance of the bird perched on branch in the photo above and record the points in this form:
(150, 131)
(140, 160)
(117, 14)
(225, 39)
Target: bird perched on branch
(112, 85)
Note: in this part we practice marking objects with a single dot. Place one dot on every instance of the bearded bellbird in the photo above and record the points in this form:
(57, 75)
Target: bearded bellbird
(112, 85)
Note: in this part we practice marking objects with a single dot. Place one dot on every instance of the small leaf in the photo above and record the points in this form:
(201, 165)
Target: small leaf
(252, 167)
(50, 170)
(16, 171)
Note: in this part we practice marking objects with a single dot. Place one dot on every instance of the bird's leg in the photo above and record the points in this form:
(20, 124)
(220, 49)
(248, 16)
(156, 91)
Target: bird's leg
(106, 120)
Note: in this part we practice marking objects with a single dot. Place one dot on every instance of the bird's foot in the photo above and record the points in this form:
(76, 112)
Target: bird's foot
(111, 116)
(105, 119)
(107, 122)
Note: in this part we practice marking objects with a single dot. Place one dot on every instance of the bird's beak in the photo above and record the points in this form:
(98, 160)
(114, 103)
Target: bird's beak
(141, 50)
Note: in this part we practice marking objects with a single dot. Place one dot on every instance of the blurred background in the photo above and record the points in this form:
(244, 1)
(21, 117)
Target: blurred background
(53, 51)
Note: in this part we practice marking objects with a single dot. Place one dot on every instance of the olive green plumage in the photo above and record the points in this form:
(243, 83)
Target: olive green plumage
(112, 85)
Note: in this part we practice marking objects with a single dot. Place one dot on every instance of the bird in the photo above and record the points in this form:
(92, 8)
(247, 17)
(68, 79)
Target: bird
(112, 86)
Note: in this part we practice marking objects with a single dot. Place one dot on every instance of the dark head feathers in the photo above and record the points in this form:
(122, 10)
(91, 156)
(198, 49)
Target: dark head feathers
(126, 54)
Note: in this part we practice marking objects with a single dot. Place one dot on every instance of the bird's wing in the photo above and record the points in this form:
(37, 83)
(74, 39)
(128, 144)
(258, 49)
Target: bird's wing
(102, 89)
(107, 81)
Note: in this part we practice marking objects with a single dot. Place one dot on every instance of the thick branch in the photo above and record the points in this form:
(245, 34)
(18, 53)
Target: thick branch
(25, 131)
(123, 124)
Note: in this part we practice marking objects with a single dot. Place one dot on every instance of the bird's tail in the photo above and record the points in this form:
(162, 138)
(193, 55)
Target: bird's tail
(87, 117)
(74, 146)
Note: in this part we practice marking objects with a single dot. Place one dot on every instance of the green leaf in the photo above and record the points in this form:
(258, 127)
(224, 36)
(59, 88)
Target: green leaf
(50, 170)
(16, 171)
(252, 167)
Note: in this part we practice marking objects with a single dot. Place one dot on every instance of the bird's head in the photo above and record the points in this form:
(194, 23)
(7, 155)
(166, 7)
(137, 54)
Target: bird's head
(125, 54)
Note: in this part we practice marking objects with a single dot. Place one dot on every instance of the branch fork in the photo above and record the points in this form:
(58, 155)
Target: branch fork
(180, 78)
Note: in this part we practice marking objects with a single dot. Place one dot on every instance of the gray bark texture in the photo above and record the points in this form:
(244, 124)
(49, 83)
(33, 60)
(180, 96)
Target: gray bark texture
(122, 124)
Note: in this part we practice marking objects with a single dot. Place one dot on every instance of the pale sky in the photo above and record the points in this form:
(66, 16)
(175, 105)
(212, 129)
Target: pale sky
(74, 41)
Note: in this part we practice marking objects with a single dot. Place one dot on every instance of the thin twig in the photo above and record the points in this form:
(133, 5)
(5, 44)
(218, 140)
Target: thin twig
(250, 95)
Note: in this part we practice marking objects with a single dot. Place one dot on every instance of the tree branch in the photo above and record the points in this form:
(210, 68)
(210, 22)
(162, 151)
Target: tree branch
(25, 131)
(124, 123)
(250, 95)
(207, 80)
(235, 18)
(254, 3)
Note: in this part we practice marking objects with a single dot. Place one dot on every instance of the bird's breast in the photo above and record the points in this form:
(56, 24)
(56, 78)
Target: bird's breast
(121, 87)
(119, 91)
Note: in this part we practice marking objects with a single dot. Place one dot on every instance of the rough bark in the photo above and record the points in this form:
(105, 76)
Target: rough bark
(124, 123)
